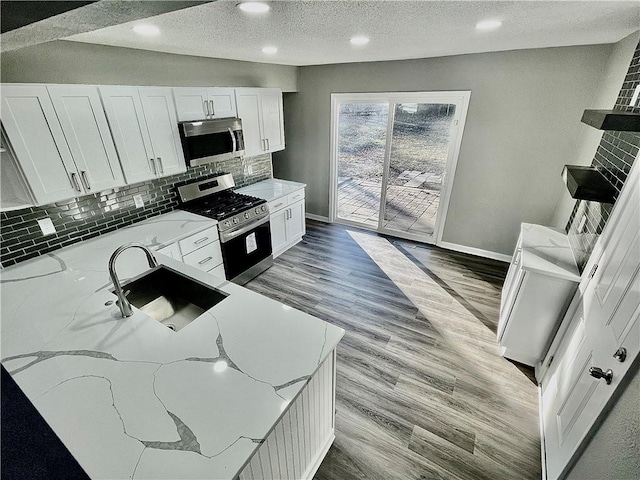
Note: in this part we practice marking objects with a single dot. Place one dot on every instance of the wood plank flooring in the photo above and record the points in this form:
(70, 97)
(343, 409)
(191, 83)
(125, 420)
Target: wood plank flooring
(422, 391)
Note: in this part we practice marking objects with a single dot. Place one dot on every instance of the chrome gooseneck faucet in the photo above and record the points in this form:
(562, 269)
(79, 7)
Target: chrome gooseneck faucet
(123, 303)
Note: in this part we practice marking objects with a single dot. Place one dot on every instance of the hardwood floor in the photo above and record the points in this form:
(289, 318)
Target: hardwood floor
(422, 391)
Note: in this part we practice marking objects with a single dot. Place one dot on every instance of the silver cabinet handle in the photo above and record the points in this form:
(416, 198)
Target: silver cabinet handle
(234, 144)
(160, 165)
(596, 372)
(202, 262)
(213, 112)
(278, 205)
(74, 181)
(206, 109)
(203, 239)
(85, 179)
(264, 144)
(153, 165)
(268, 144)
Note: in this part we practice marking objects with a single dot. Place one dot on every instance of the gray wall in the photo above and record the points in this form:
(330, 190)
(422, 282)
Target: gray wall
(605, 98)
(523, 123)
(614, 451)
(72, 62)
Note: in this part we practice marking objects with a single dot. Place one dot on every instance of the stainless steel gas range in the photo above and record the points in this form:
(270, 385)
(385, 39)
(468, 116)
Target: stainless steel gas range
(243, 224)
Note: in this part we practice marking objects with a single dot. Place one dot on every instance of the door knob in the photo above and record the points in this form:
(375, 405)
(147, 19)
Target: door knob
(621, 354)
(596, 372)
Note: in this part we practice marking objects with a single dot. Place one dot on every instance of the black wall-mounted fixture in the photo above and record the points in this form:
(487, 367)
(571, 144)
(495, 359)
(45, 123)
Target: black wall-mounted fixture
(588, 183)
(612, 120)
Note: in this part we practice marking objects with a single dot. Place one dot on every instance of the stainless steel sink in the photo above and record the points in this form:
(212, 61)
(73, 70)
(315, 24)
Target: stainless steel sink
(170, 297)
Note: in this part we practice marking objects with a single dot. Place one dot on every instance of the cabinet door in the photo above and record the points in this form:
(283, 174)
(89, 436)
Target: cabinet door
(128, 127)
(87, 133)
(36, 137)
(249, 110)
(272, 119)
(172, 250)
(279, 239)
(191, 103)
(163, 130)
(295, 224)
(222, 102)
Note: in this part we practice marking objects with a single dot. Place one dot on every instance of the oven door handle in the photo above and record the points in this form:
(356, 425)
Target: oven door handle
(226, 236)
(233, 141)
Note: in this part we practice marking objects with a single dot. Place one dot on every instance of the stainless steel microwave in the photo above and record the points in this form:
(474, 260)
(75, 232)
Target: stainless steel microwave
(206, 141)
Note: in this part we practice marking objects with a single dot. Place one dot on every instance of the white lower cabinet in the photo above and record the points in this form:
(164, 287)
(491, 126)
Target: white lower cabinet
(287, 221)
(201, 250)
(299, 442)
(537, 290)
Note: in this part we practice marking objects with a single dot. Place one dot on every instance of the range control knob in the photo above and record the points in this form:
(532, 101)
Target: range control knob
(227, 223)
(235, 220)
(246, 214)
(263, 208)
(257, 210)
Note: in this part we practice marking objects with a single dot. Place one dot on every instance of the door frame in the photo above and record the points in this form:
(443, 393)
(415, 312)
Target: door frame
(461, 98)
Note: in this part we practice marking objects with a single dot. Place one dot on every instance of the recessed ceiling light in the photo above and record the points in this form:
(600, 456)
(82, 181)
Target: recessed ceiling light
(254, 7)
(359, 40)
(488, 24)
(269, 50)
(145, 29)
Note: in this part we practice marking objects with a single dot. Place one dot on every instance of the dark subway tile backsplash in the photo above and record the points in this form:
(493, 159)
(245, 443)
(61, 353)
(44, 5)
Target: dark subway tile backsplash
(92, 215)
(614, 157)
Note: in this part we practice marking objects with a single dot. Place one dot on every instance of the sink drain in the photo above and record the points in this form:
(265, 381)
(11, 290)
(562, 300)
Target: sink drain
(171, 326)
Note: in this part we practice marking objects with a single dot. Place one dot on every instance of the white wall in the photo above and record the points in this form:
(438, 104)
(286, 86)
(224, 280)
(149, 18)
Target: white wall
(72, 62)
(523, 123)
(589, 138)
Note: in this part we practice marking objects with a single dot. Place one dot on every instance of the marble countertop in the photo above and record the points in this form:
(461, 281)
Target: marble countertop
(547, 250)
(131, 398)
(271, 189)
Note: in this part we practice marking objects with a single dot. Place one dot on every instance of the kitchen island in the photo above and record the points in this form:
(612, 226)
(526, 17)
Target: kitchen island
(244, 391)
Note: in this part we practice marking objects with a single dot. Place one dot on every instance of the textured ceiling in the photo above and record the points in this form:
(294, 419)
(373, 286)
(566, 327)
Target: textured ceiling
(85, 18)
(318, 32)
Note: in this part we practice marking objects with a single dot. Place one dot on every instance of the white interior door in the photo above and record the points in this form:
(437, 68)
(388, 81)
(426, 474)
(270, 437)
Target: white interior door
(605, 319)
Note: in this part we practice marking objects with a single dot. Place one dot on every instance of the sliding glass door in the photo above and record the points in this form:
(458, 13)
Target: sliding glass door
(394, 157)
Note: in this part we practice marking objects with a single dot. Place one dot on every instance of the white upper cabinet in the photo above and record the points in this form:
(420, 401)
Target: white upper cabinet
(262, 119)
(87, 133)
(162, 124)
(129, 130)
(273, 119)
(145, 129)
(38, 142)
(198, 103)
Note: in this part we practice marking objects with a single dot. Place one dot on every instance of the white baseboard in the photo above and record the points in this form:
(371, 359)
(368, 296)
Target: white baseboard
(318, 218)
(317, 461)
(475, 251)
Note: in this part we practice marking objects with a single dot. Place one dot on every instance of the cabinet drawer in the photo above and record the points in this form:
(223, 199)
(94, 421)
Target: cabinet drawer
(205, 258)
(278, 204)
(295, 196)
(197, 240)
